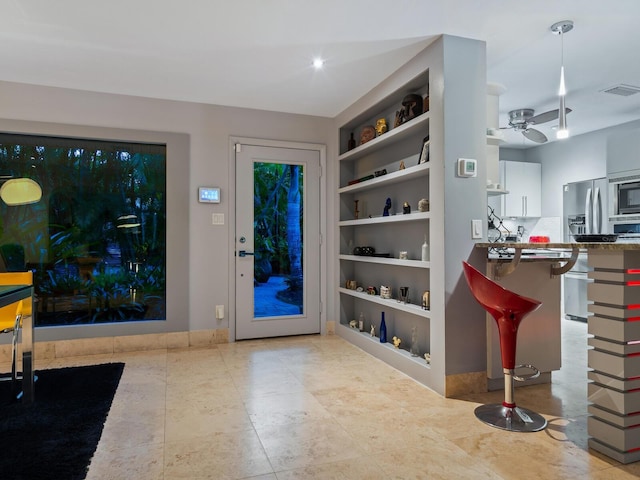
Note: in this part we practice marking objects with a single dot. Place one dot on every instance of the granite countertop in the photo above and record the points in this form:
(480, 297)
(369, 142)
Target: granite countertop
(564, 246)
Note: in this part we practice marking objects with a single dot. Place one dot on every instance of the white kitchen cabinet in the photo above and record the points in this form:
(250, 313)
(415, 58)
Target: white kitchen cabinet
(523, 181)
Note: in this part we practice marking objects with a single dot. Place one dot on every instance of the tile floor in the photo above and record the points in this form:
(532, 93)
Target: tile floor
(319, 408)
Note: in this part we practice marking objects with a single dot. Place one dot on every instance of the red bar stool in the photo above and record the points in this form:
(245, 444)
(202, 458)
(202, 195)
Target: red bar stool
(508, 309)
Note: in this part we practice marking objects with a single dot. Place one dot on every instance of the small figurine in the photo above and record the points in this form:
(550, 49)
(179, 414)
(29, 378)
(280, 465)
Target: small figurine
(368, 133)
(387, 207)
(402, 167)
(381, 126)
(385, 292)
(427, 357)
(353, 324)
(425, 300)
(396, 342)
(373, 330)
(406, 208)
(399, 120)
(423, 205)
(413, 105)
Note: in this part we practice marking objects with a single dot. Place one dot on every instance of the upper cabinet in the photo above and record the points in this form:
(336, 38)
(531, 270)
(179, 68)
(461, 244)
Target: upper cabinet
(523, 182)
(623, 152)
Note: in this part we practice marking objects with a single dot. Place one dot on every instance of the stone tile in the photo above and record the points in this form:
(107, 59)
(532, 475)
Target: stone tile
(202, 338)
(177, 340)
(136, 343)
(298, 445)
(220, 456)
(316, 407)
(362, 468)
(90, 346)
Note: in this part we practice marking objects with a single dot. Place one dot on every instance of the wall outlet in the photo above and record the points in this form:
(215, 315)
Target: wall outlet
(219, 312)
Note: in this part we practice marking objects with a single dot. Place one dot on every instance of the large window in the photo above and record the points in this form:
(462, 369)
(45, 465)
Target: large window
(96, 240)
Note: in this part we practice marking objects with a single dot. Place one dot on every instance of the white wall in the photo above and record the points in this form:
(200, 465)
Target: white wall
(579, 158)
(209, 129)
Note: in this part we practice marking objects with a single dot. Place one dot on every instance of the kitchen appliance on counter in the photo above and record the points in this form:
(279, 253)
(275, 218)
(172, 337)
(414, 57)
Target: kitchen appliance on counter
(624, 192)
(585, 216)
(627, 230)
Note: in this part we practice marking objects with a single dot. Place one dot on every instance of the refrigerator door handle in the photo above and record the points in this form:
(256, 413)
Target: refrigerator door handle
(588, 210)
(597, 211)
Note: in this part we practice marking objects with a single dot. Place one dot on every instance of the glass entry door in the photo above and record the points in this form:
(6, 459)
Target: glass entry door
(277, 241)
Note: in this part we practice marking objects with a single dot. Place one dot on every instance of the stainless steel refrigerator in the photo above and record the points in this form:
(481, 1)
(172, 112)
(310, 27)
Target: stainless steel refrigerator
(584, 213)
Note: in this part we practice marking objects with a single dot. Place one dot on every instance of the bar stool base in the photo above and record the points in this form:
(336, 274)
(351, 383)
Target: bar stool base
(513, 419)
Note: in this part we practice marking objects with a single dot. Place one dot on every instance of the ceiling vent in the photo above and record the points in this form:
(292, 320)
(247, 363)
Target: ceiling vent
(622, 90)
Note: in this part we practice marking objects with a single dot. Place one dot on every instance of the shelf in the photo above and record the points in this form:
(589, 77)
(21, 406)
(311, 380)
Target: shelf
(492, 192)
(409, 217)
(392, 136)
(388, 303)
(386, 261)
(389, 178)
(366, 336)
(495, 140)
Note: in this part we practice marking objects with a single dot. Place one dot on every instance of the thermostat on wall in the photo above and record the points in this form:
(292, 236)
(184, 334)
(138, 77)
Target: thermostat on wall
(209, 195)
(467, 167)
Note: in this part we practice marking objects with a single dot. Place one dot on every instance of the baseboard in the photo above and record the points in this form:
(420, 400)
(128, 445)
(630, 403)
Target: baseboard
(118, 344)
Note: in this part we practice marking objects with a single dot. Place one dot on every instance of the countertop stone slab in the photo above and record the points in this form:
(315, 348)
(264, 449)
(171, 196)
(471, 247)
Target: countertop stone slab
(565, 246)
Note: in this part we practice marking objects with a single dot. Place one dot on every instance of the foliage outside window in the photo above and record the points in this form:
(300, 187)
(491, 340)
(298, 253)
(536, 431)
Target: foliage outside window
(278, 227)
(96, 239)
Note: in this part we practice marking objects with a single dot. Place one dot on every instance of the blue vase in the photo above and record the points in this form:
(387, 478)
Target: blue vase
(383, 330)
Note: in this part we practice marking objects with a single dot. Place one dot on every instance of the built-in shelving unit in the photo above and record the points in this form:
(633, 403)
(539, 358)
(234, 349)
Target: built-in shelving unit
(393, 159)
(394, 168)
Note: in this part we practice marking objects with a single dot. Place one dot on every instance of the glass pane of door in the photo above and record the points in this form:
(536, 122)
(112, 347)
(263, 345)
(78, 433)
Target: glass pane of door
(278, 239)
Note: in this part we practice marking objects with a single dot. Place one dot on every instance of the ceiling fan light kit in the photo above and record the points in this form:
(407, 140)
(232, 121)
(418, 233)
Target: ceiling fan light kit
(560, 28)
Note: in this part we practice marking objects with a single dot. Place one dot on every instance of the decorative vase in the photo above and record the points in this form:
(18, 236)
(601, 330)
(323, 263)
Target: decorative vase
(352, 143)
(383, 330)
(413, 350)
(425, 250)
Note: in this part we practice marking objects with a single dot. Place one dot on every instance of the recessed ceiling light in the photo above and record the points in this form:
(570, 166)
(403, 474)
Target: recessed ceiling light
(318, 63)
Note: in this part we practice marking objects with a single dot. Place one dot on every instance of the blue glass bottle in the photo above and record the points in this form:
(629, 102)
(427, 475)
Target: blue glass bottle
(383, 330)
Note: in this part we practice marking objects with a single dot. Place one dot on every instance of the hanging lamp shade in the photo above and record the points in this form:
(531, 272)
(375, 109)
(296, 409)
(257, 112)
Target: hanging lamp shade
(561, 28)
(20, 191)
(128, 221)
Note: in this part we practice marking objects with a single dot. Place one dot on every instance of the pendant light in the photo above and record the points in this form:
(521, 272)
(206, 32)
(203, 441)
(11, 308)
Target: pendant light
(20, 191)
(560, 28)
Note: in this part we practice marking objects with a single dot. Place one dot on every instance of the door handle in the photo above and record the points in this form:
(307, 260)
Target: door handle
(244, 253)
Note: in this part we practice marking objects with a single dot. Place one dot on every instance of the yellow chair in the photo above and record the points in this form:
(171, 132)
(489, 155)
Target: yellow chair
(11, 316)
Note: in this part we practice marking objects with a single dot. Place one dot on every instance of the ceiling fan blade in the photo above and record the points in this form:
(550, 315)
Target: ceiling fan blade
(546, 116)
(535, 135)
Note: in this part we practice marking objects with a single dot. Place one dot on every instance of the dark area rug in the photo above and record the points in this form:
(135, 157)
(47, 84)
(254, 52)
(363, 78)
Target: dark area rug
(56, 436)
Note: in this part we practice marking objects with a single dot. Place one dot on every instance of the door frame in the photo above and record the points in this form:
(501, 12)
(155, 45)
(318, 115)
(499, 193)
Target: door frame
(260, 142)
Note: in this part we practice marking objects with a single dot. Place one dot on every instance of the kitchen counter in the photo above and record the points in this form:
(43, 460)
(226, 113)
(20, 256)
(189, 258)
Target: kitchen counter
(508, 262)
(564, 245)
(613, 298)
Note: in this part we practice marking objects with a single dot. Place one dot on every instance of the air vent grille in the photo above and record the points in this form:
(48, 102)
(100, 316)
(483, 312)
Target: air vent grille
(622, 90)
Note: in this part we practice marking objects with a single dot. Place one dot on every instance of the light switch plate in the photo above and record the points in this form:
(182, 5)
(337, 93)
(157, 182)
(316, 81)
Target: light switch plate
(217, 218)
(476, 229)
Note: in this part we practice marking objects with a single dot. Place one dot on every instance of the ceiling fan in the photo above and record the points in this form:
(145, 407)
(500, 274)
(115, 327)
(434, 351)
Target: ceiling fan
(522, 119)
